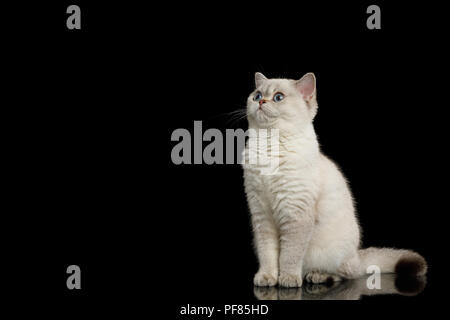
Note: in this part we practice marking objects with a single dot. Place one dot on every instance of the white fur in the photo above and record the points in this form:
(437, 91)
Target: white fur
(303, 216)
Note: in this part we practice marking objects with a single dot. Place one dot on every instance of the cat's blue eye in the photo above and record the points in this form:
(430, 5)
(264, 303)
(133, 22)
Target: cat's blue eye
(278, 97)
(257, 97)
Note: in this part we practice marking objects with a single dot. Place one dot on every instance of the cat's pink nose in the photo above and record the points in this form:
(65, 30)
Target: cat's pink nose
(262, 101)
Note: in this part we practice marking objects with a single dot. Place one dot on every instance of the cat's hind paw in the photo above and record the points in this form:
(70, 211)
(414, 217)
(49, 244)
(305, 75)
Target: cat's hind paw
(321, 277)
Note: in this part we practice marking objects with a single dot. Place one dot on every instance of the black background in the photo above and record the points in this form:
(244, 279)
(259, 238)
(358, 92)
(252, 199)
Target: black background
(88, 121)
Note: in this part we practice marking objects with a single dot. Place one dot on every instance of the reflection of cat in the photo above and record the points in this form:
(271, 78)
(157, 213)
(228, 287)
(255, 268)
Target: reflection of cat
(345, 290)
(303, 215)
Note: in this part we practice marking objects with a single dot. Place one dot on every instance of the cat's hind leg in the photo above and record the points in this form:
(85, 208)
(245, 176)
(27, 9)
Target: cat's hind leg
(350, 268)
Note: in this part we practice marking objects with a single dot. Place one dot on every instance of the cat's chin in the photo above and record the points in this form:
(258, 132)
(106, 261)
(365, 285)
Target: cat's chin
(262, 119)
(265, 125)
(260, 123)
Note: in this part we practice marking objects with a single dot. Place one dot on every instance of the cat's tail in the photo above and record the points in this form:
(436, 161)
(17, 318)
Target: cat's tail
(405, 262)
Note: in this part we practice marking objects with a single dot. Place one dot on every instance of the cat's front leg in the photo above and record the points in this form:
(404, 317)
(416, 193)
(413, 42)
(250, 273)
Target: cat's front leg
(267, 247)
(295, 233)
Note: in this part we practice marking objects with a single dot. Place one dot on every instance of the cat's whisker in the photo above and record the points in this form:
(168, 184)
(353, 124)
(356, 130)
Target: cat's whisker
(231, 113)
(236, 118)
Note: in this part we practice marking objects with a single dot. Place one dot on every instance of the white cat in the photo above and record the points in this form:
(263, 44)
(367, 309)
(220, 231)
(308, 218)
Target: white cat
(303, 218)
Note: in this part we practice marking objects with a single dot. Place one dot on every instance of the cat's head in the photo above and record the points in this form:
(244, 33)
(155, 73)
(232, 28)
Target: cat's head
(282, 102)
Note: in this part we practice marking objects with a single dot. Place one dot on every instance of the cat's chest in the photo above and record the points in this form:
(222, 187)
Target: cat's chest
(291, 182)
(270, 187)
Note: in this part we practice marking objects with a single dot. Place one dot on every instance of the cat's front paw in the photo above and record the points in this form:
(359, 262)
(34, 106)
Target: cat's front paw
(265, 279)
(290, 280)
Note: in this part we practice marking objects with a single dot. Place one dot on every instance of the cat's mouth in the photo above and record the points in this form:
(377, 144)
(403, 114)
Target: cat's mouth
(261, 111)
(262, 116)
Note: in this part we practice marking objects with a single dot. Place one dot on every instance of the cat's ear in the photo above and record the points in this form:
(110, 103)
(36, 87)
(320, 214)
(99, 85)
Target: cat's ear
(259, 79)
(307, 86)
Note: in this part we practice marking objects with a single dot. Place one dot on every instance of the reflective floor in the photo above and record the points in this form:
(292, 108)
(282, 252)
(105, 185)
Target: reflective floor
(345, 290)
